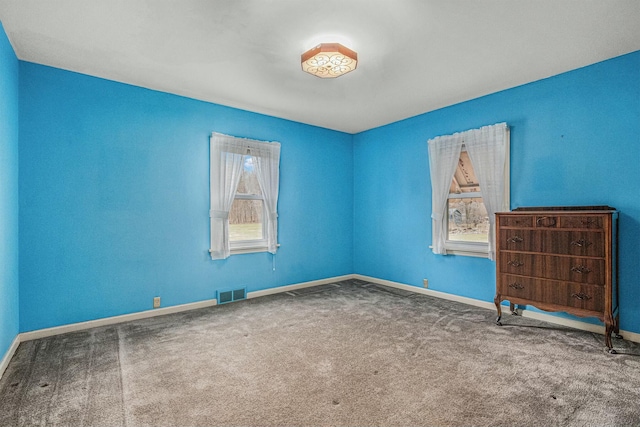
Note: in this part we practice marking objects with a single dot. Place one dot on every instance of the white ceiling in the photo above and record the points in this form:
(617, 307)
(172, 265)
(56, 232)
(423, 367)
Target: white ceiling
(414, 56)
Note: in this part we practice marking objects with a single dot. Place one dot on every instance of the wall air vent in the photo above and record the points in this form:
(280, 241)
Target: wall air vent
(231, 295)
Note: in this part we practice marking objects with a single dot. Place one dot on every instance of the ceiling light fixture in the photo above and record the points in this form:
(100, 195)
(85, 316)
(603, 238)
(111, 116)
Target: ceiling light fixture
(329, 60)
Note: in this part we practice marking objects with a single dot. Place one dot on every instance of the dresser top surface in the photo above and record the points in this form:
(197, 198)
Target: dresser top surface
(568, 210)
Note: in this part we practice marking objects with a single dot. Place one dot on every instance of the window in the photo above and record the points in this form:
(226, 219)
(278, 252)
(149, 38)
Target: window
(246, 217)
(244, 180)
(470, 182)
(467, 217)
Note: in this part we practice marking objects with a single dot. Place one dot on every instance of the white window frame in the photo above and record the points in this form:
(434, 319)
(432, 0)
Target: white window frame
(478, 249)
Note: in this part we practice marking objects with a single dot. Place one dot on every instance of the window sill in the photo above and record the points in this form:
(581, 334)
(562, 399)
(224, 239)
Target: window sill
(478, 250)
(467, 253)
(250, 249)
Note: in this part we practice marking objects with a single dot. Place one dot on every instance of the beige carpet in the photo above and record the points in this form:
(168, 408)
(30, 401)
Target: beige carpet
(351, 354)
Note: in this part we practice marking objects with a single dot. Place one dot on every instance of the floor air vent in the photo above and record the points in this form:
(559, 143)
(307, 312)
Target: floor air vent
(224, 297)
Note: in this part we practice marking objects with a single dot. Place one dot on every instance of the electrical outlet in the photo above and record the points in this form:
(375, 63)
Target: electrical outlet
(156, 302)
(425, 282)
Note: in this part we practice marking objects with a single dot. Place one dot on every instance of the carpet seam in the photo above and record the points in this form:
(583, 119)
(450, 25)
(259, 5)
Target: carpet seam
(56, 390)
(24, 389)
(125, 412)
(88, 380)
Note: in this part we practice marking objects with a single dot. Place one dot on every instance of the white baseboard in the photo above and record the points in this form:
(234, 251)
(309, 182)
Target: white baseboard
(576, 324)
(425, 291)
(630, 336)
(9, 354)
(286, 288)
(42, 333)
(73, 327)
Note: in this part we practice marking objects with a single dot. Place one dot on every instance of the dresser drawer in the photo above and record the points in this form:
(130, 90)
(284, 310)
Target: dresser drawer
(592, 222)
(516, 220)
(577, 243)
(585, 297)
(581, 270)
(546, 221)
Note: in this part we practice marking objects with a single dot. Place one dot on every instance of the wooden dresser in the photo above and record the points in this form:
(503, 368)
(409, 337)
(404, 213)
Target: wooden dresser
(559, 259)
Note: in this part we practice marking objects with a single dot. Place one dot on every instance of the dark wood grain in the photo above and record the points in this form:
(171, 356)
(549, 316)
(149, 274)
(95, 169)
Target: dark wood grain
(560, 259)
(570, 269)
(588, 222)
(518, 221)
(556, 241)
(567, 294)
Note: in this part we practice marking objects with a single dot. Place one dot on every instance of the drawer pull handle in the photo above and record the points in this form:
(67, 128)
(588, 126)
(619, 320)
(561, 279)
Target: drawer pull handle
(588, 222)
(581, 269)
(581, 296)
(582, 243)
(516, 263)
(515, 239)
(550, 223)
(516, 286)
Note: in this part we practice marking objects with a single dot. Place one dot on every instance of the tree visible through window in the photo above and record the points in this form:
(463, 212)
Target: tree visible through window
(246, 217)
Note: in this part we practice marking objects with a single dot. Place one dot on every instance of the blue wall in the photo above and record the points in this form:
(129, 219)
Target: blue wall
(114, 190)
(9, 283)
(575, 140)
(114, 199)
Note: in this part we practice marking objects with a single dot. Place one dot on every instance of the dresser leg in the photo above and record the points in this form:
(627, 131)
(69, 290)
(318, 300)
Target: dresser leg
(607, 336)
(616, 327)
(497, 301)
(512, 307)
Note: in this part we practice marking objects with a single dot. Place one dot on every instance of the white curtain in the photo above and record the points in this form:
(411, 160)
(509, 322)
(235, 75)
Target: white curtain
(487, 148)
(227, 159)
(444, 152)
(267, 164)
(226, 170)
